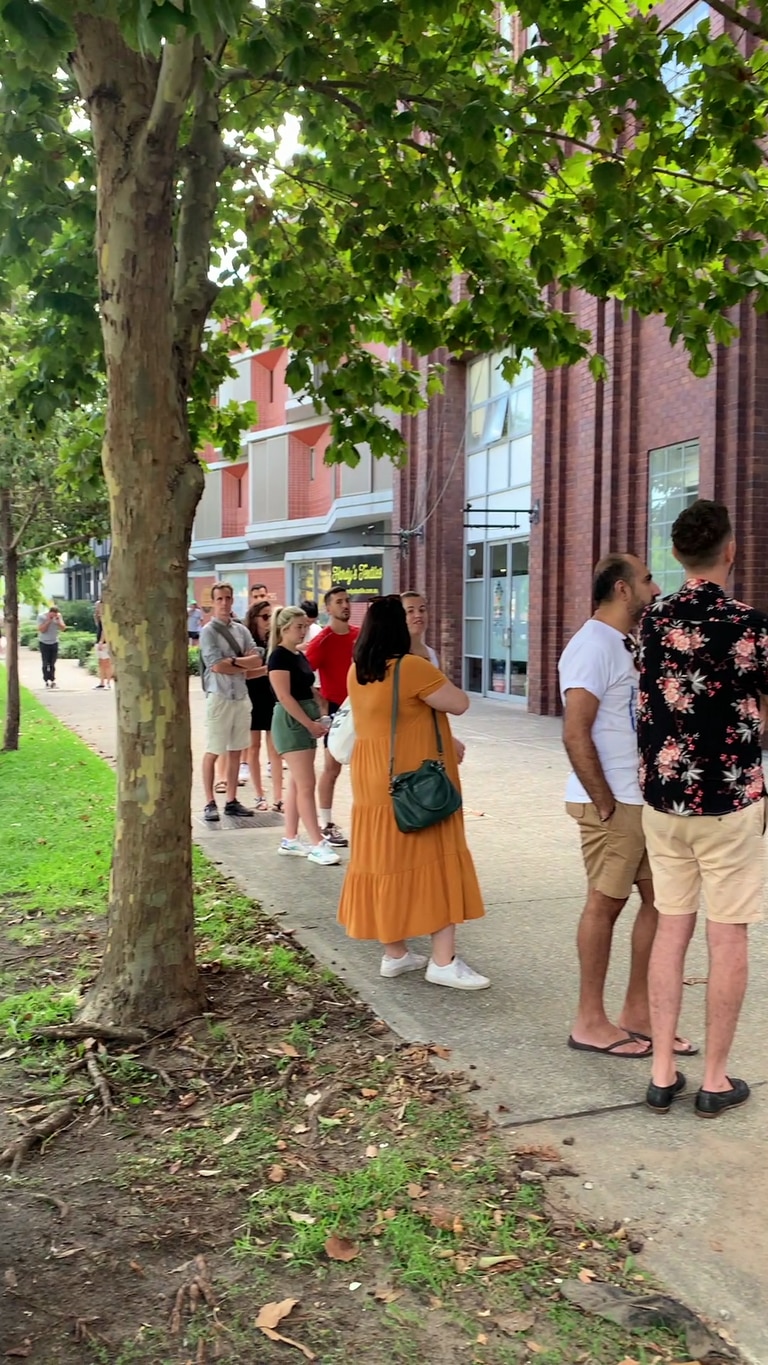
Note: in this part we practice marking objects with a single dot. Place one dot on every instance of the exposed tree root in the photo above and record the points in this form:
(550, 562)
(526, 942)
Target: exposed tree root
(14, 1154)
(79, 1032)
(99, 1083)
(197, 1287)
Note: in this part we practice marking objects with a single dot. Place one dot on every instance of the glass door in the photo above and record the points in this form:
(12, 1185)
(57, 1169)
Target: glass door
(508, 583)
(498, 621)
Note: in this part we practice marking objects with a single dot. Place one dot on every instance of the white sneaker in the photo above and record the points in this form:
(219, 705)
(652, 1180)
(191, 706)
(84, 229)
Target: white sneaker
(456, 974)
(395, 966)
(323, 854)
(293, 848)
(243, 773)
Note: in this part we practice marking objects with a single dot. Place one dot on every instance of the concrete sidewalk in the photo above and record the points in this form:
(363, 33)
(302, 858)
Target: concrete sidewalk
(697, 1190)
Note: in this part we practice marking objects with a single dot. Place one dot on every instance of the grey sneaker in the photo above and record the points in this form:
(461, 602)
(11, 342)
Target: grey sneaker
(211, 812)
(333, 836)
(236, 808)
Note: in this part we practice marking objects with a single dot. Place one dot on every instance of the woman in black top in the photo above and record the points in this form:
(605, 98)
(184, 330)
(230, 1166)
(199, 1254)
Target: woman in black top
(262, 705)
(296, 728)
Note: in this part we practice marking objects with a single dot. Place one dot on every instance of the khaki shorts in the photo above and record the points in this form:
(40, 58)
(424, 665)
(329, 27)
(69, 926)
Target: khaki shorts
(721, 855)
(227, 724)
(614, 853)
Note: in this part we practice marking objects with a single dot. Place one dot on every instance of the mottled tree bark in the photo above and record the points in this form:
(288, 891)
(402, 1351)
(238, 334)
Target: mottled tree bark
(11, 609)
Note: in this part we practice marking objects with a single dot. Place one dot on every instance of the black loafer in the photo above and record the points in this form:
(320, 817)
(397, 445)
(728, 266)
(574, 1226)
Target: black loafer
(659, 1097)
(711, 1103)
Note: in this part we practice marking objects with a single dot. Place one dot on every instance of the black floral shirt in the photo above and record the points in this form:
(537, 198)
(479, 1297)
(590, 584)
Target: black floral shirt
(703, 668)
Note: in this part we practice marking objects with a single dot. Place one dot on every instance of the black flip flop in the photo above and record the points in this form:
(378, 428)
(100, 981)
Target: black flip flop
(610, 1050)
(690, 1051)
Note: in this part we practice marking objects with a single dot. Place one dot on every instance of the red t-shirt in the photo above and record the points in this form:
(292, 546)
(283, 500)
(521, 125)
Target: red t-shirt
(330, 655)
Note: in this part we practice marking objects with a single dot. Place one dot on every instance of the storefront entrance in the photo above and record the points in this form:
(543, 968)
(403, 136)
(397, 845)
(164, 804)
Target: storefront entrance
(496, 626)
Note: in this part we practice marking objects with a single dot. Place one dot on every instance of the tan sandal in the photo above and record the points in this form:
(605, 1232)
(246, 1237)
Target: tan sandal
(220, 787)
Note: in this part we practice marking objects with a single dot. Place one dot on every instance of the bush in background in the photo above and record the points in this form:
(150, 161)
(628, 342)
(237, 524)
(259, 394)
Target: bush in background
(76, 644)
(28, 634)
(193, 661)
(78, 616)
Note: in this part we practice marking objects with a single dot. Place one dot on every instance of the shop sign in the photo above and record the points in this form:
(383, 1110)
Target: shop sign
(362, 578)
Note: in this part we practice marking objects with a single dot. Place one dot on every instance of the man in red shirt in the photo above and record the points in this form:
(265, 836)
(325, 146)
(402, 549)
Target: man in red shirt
(330, 654)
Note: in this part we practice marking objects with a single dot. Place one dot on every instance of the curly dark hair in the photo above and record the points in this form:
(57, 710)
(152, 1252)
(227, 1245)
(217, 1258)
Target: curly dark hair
(384, 635)
(701, 533)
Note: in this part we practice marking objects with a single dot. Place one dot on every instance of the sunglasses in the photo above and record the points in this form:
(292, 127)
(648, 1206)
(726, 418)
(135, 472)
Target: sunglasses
(264, 616)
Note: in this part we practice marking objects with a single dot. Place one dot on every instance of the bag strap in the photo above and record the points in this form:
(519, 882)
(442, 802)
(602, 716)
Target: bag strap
(393, 732)
(229, 636)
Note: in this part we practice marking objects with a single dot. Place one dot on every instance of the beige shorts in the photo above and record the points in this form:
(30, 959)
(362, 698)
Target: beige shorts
(721, 855)
(227, 724)
(614, 853)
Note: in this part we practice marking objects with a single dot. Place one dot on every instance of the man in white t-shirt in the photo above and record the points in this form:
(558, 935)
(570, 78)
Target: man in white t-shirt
(598, 684)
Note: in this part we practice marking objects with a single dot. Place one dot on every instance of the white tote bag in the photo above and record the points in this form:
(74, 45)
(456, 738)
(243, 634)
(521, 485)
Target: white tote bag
(341, 736)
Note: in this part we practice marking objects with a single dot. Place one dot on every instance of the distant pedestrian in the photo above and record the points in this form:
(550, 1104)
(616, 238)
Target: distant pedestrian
(50, 624)
(330, 655)
(262, 709)
(259, 593)
(104, 662)
(598, 683)
(311, 611)
(195, 622)
(296, 728)
(229, 657)
(401, 886)
(417, 616)
(703, 677)
(98, 618)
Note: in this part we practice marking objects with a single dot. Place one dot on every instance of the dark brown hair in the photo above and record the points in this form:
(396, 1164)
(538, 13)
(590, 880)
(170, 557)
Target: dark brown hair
(701, 533)
(384, 635)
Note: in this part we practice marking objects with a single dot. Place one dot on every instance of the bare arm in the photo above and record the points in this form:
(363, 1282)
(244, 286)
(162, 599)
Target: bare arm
(581, 709)
(449, 699)
(281, 686)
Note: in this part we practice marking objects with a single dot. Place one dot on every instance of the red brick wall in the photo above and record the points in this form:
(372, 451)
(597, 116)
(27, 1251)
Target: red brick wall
(310, 497)
(268, 388)
(234, 500)
(201, 590)
(431, 490)
(274, 580)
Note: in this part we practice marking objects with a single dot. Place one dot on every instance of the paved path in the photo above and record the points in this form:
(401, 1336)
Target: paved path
(698, 1190)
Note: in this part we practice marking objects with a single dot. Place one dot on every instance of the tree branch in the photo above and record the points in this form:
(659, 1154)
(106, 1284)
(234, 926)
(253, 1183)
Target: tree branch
(742, 21)
(174, 86)
(193, 291)
(24, 523)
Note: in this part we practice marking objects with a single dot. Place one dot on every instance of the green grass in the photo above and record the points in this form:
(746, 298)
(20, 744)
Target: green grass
(57, 800)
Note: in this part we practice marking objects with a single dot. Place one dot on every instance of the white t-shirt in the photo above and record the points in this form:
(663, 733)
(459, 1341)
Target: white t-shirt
(433, 659)
(598, 660)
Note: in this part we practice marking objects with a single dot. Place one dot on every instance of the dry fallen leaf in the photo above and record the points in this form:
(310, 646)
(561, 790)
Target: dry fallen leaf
(438, 1050)
(481, 1339)
(416, 1191)
(535, 1347)
(385, 1295)
(300, 1217)
(434, 1302)
(273, 1313)
(490, 1262)
(231, 1137)
(20, 1350)
(587, 1276)
(276, 1174)
(371, 1150)
(441, 1217)
(628, 1360)
(186, 1101)
(340, 1248)
(458, 1226)
(463, 1263)
(312, 1098)
(512, 1323)
(369, 1094)
(281, 1145)
(288, 1050)
(544, 1152)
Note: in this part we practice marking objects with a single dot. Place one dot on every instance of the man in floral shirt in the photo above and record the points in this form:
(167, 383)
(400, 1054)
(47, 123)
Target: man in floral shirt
(703, 675)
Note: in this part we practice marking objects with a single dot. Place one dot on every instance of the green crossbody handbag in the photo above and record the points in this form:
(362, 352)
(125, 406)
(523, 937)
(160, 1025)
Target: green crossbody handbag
(426, 795)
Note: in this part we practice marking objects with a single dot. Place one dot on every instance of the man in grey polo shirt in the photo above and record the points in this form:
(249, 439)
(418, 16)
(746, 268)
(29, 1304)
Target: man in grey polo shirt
(229, 656)
(49, 624)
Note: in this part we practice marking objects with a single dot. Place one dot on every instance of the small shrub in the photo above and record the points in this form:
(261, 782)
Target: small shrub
(193, 661)
(79, 617)
(28, 634)
(75, 644)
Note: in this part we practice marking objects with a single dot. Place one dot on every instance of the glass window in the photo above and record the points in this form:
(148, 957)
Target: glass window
(473, 674)
(476, 476)
(475, 559)
(673, 484)
(521, 453)
(498, 466)
(474, 605)
(521, 409)
(479, 381)
(674, 73)
(495, 420)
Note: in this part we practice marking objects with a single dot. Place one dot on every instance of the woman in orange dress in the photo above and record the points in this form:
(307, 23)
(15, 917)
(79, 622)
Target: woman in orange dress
(399, 886)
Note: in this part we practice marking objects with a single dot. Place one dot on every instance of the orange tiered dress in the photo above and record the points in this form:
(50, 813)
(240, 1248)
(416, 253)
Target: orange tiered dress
(402, 885)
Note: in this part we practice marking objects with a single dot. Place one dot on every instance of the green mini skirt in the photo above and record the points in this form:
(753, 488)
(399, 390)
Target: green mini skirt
(289, 735)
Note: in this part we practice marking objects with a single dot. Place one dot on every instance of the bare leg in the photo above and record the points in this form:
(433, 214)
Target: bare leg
(291, 807)
(327, 781)
(728, 971)
(277, 770)
(233, 768)
(635, 1014)
(444, 946)
(593, 940)
(209, 768)
(254, 762)
(398, 949)
(301, 766)
(665, 990)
